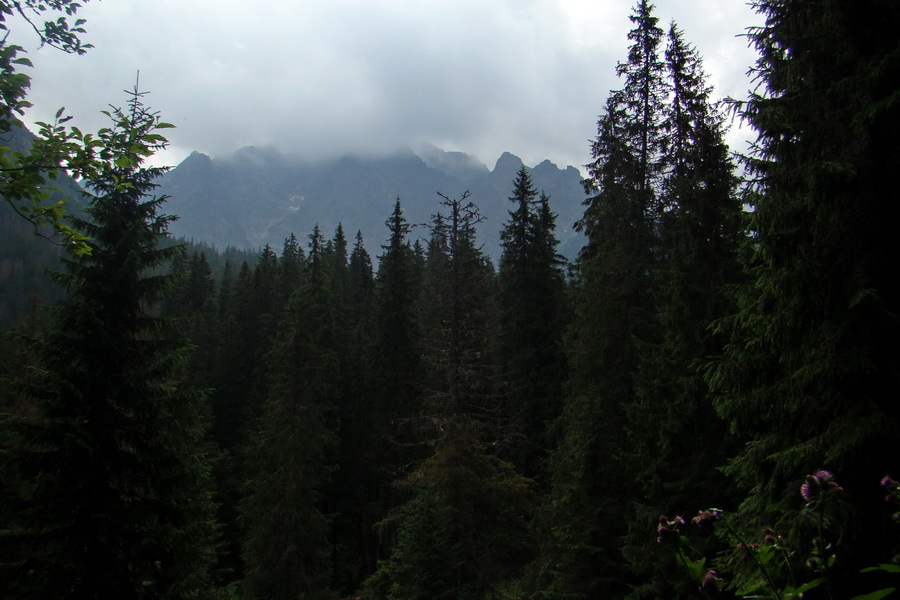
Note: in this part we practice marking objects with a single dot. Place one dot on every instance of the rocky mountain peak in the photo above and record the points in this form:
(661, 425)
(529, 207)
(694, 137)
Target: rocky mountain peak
(257, 195)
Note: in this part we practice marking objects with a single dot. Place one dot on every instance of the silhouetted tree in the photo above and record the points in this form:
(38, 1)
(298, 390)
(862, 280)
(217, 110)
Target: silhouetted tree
(531, 289)
(809, 376)
(287, 551)
(111, 497)
(614, 322)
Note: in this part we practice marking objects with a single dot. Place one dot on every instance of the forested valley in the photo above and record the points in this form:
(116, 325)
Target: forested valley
(703, 404)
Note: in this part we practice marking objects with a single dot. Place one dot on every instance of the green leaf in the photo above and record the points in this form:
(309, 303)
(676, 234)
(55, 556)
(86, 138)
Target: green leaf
(876, 595)
(765, 553)
(750, 589)
(886, 567)
(805, 587)
(698, 569)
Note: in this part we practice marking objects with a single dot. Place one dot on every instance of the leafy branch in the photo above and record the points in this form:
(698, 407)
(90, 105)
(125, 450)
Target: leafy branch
(25, 176)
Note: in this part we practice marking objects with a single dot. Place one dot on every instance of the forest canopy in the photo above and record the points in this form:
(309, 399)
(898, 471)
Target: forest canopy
(702, 403)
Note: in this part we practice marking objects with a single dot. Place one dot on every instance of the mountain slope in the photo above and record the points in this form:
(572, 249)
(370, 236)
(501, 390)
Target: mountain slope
(259, 196)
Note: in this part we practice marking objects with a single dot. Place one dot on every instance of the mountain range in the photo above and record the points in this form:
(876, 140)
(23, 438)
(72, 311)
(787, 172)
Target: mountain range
(259, 196)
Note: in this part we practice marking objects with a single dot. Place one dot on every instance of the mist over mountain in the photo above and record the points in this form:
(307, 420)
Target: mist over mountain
(259, 196)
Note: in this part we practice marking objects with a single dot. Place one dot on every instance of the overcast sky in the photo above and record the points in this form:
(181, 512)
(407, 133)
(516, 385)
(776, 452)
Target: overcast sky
(324, 77)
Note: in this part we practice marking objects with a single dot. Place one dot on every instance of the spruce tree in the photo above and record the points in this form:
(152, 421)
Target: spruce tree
(337, 261)
(461, 380)
(290, 266)
(252, 312)
(286, 550)
(614, 322)
(267, 302)
(810, 374)
(111, 497)
(396, 357)
(233, 398)
(362, 279)
(676, 440)
(192, 300)
(395, 435)
(530, 304)
(356, 479)
(462, 533)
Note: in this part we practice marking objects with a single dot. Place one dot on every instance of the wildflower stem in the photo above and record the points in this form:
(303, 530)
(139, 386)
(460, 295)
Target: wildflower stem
(762, 569)
(820, 525)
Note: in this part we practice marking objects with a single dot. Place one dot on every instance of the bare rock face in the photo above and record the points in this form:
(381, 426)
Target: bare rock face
(259, 196)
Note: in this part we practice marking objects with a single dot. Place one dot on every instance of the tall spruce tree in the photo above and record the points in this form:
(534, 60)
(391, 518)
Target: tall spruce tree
(432, 304)
(394, 438)
(614, 321)
(355, 489)
(675, 439)
(810, 374)
(252, 312)
(336, 257)
(461, 390)
(192, 300)
(531, 288)
(287, 551)
(111, 497)
(362, 281)
(396, 357)
(234, 397)
(290, 267)
(267, 301)
(462, 533)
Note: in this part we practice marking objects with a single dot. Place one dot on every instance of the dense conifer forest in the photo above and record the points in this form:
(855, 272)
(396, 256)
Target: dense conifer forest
(703, 404)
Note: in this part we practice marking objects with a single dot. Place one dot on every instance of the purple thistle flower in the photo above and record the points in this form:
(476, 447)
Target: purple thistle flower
(822, 476)
(667, 527)
(710, 580)
(886, 480)
(706, 516)
(806, 492)
(821, 481)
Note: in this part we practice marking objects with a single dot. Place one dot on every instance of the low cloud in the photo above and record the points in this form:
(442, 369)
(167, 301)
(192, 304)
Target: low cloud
(323, 78)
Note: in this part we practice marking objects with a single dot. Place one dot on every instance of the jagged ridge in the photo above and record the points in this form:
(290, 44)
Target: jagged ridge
(259, 195)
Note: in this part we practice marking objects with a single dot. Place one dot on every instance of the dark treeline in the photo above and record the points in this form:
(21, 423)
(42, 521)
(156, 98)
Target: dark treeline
(702, 404)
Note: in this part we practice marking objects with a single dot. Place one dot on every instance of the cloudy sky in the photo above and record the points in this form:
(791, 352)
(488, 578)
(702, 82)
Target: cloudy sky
(319, 78)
